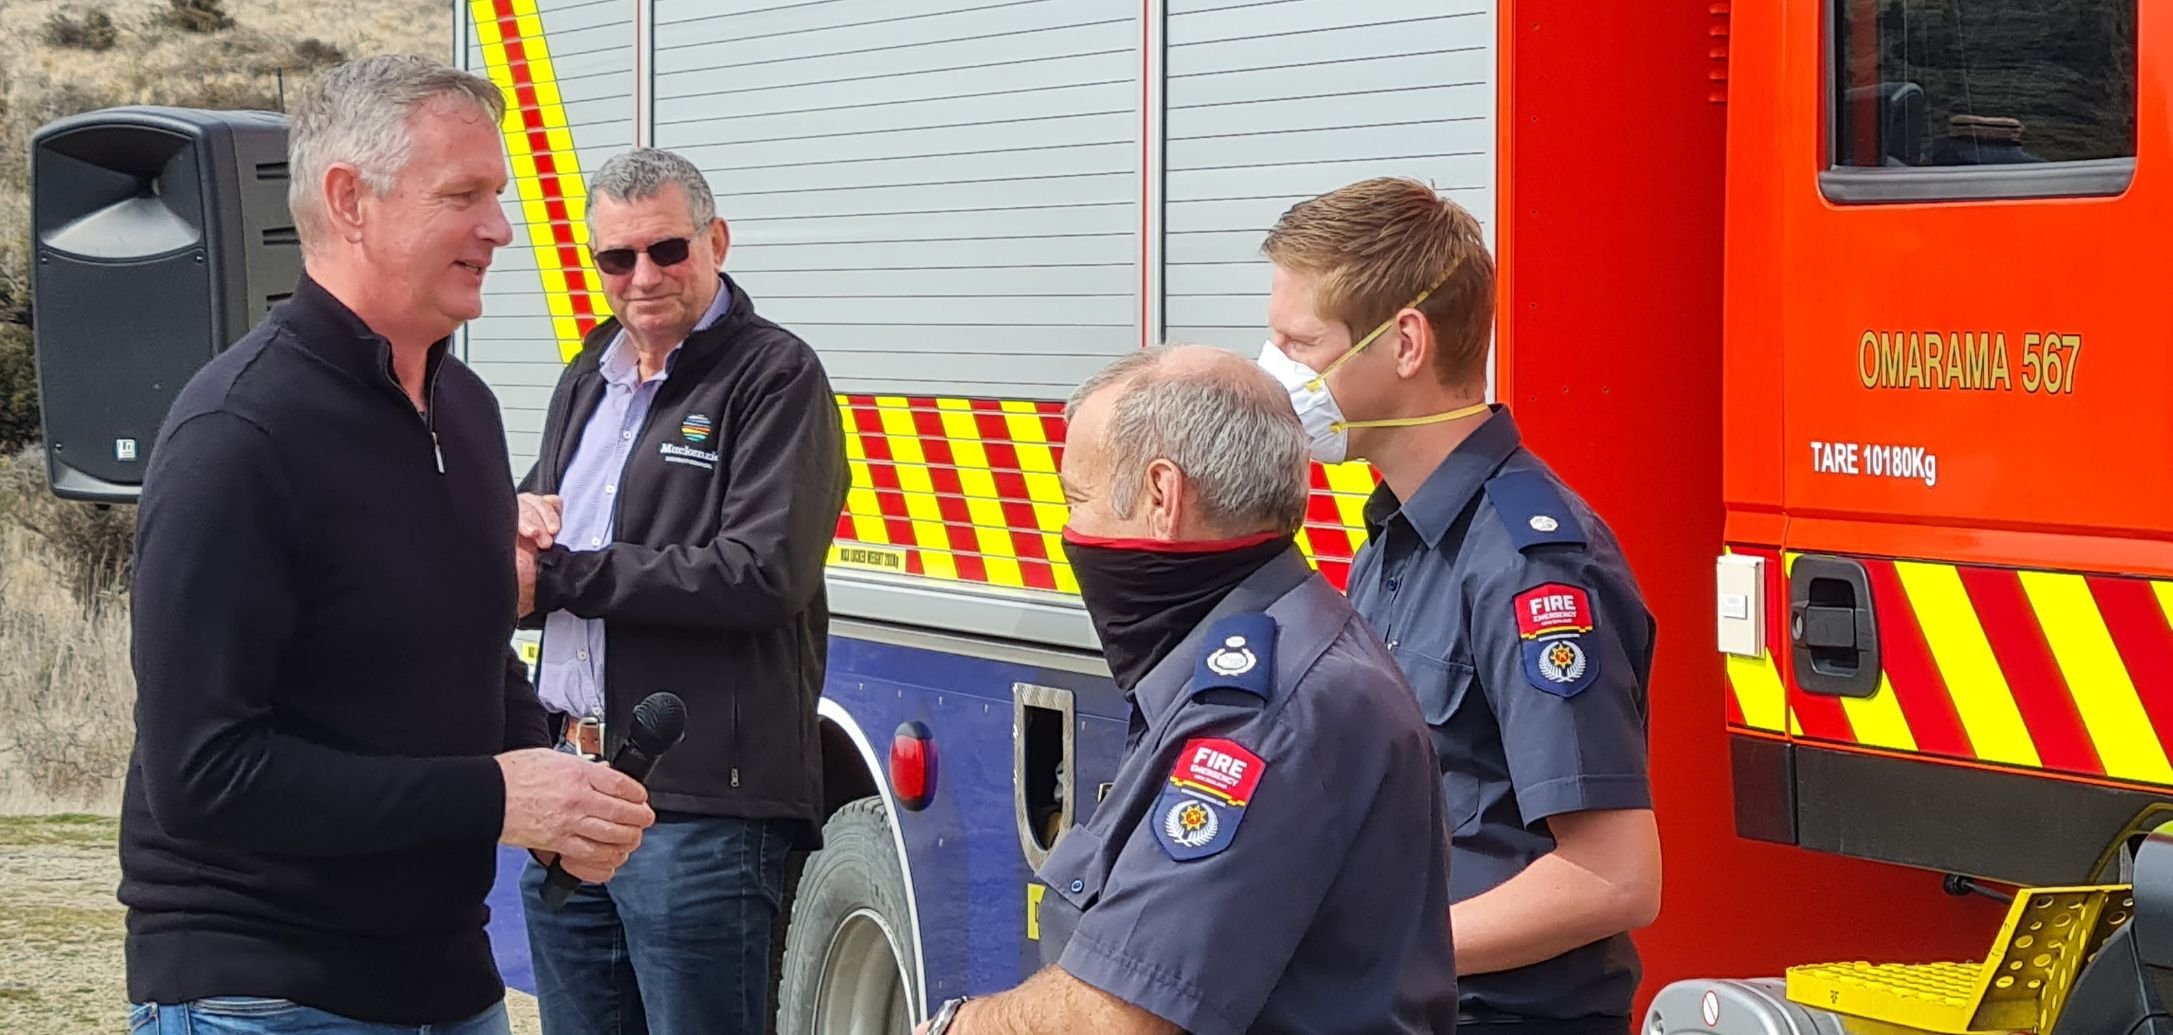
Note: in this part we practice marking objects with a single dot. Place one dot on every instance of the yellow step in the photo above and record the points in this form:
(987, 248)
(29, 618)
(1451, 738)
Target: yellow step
(2049, 935)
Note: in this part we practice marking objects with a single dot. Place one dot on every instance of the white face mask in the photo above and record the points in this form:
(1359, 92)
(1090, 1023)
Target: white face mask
(1325, 425)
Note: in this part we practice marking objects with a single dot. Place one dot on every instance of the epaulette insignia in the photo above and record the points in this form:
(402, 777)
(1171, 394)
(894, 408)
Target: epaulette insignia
(1533, 510)
(1238, 654)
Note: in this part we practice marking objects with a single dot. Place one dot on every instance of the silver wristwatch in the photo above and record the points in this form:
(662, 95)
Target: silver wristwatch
(945, 1014)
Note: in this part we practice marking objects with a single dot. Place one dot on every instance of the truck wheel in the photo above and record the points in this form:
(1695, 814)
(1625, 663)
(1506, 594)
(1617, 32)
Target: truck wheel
(849, 952)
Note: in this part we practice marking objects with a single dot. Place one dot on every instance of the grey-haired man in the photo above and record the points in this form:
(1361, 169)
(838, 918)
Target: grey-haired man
(674, 530)
(332, 730)
(1271, 856)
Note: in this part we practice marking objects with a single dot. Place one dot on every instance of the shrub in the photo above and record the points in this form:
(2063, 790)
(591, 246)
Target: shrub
(199, 16)
(93, 31)
(90, 544)
(316, 53)
(19, 415)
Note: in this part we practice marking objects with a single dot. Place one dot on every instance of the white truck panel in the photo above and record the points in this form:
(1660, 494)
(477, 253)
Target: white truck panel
(997, 143)
(1267, 105)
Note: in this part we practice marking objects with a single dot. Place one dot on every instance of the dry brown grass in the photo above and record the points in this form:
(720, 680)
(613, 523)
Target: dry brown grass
(154, 63)
(66, 692)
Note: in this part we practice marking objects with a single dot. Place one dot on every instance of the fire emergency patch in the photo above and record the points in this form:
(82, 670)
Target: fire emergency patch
(1198, 813)
(1552, 620)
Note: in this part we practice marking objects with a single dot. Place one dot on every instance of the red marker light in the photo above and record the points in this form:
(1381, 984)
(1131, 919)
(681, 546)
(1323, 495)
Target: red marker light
(912, 766)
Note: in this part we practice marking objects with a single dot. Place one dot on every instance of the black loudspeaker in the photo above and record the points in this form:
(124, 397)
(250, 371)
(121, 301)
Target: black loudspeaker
(162, 236)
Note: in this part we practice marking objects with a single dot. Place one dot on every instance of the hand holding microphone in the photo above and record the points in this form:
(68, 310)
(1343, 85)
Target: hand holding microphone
(660, 722)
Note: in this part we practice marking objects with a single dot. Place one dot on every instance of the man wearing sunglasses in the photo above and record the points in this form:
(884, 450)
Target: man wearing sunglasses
(673, 533)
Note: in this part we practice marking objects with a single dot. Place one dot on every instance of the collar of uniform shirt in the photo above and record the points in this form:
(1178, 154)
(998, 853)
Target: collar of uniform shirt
(1261, 588)
(1434, 507)
(619, 366)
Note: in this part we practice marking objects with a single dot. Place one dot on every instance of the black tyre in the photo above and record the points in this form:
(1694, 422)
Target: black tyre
(850, 951)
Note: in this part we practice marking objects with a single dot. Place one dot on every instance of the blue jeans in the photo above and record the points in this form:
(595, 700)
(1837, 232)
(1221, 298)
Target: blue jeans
(678, 943)
(250, 1015)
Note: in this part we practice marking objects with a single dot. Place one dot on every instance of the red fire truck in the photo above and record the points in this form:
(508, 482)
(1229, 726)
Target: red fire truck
(1943, 604)
(1845, 294)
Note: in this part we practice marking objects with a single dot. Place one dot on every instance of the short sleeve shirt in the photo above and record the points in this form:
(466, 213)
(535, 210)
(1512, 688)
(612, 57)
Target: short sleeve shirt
(1510, 608)
(1322, 897)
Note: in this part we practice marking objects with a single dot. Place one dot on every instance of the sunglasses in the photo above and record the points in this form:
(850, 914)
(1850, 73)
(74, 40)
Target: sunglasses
(620, 261)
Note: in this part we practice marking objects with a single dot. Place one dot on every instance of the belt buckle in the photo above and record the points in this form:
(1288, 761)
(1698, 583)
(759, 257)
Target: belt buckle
(586, 734)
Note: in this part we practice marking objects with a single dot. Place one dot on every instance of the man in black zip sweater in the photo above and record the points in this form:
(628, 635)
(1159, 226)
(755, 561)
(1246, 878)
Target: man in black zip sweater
(332, 731)
(685, 494)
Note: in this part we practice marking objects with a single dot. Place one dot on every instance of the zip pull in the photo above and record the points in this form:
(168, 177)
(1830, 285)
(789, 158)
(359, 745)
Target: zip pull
(436, 451)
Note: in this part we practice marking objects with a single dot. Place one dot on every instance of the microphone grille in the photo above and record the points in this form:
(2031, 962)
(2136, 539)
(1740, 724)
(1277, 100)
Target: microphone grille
(660, 720)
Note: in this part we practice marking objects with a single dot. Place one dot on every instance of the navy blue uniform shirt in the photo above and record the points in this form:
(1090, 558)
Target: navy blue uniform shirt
(1508, 605)
(1272, 855)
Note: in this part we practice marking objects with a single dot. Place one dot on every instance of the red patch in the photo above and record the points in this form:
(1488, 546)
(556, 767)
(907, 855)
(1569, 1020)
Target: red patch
(1222, 768)
(1553, 608)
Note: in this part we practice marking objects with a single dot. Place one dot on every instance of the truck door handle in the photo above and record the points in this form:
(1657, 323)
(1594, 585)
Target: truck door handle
(1834, 627)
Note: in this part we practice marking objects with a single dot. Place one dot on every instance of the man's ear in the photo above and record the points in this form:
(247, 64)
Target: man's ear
(1414, 344)
(343, 192)
(1164, 499)
(720, 239)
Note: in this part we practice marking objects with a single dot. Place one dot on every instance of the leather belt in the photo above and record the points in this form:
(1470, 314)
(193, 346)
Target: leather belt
(583, 736)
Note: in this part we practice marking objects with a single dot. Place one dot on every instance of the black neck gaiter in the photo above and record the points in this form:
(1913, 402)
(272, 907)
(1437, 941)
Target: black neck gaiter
(1145, 596)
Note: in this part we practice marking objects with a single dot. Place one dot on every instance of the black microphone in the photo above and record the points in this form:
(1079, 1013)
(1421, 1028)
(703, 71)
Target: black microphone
(660, 721)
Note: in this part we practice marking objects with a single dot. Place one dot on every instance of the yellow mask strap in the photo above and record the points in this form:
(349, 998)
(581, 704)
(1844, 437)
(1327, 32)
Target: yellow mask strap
(1321, 378)
(1411, 422)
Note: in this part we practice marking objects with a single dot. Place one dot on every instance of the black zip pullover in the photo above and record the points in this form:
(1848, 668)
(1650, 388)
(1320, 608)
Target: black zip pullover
(323, 601)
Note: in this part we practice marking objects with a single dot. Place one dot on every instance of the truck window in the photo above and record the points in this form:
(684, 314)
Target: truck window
(1976, 99)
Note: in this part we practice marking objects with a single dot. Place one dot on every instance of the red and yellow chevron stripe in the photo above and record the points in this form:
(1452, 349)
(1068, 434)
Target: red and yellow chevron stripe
(953, 489)
(546, 171)
(966, 490)
(2030, 669)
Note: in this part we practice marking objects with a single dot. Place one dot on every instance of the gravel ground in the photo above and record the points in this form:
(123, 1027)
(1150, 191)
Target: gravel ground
(60, 929)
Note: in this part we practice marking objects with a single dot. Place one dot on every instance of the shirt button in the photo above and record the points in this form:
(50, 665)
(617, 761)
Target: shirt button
(1078, 886)
(626, 436)
(581, 654)
(596, 541)
(1392, 585)
(609, 489)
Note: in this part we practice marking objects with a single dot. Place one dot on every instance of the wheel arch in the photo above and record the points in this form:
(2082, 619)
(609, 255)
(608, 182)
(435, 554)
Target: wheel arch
(852, 770)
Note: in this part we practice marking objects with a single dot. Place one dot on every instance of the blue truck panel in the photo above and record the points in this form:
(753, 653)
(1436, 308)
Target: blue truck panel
(966, 866)
(964, 861)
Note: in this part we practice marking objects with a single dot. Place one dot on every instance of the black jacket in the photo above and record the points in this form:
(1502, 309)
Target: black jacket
(713, 585)
(323, 604)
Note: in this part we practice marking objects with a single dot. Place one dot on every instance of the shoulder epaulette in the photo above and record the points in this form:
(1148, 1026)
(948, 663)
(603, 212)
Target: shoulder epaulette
(1238, 654)
(1533, 510)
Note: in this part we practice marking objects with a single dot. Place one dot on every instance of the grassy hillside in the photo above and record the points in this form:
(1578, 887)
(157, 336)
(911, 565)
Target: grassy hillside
(66, 690)
(61, 57)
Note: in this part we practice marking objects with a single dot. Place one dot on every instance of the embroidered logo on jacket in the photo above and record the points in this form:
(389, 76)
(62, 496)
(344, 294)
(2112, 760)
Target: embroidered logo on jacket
(674, 453)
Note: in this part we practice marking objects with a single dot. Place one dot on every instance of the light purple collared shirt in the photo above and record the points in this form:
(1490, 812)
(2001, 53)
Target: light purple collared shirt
(571, 674)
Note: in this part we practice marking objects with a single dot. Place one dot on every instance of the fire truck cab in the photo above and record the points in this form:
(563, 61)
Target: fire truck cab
(1944, 600)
